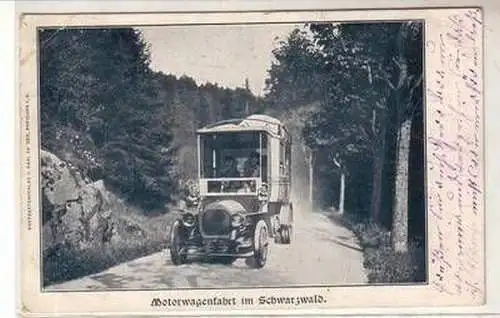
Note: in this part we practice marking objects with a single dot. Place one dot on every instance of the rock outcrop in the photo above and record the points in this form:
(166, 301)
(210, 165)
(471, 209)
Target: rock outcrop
(75, 211)
(87, 228)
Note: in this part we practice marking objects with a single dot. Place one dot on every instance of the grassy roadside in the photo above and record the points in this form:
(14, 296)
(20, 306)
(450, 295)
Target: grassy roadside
(383, 265)
(64, 263)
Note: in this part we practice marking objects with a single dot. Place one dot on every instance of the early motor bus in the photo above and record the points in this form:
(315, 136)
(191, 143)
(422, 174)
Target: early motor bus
(242, 195)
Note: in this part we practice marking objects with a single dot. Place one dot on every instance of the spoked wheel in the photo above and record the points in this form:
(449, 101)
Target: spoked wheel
(176, 244)
(285, 234)
(261, 245)
(276, 230)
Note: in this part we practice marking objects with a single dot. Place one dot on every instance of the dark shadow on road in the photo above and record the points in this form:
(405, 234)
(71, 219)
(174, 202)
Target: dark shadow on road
(343, 238)
(192, 280)
(326, 236)
(336, 218)
(345, 245)
(111, 280)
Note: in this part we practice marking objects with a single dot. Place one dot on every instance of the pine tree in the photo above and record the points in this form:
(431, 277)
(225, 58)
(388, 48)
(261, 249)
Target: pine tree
(96, 84)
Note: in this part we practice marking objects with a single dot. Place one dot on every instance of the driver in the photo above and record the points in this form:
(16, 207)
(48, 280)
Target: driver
(252, 168)
(229, 168)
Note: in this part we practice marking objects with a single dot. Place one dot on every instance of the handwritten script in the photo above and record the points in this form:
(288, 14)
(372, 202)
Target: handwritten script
(454, 103)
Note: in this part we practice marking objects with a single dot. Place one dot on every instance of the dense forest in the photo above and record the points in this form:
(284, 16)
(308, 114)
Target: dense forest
(104, 110)
(107, 112)
(366, 136)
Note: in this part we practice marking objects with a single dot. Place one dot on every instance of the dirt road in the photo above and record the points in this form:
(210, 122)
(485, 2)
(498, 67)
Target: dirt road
(321, 253)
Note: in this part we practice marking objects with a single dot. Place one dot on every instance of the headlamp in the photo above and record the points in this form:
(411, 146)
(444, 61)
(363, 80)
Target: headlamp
(193, 195)
(192, 200)
(188, 219)
(237, 220)
(263, 193)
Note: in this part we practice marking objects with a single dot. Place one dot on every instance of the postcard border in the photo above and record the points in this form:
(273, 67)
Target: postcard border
(425, 146)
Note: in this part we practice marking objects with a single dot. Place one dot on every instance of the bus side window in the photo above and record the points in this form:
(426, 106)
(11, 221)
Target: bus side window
(282, 158)
(206, 156)
(288, 159)
(264, 157)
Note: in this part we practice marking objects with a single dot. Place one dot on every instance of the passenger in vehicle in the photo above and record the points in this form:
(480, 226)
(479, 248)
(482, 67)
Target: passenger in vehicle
(252, 168)
(229, 168)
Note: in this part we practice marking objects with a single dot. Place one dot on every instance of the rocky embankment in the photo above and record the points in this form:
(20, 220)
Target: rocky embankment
(86, 228)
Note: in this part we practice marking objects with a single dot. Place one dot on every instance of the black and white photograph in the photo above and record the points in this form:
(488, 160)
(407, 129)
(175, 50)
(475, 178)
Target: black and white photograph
(260, 161)
(232, 156)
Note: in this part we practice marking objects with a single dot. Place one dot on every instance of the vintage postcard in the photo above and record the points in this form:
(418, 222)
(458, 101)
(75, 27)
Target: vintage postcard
(249, 162)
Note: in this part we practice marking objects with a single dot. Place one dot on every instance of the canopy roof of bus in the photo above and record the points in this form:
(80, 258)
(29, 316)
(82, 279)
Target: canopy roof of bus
(250, 123)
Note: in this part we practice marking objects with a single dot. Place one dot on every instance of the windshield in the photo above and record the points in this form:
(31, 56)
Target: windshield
(233, 155)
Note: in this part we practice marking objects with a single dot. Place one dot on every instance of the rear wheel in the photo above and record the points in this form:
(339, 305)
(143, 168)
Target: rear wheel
(275, 229)
(285, 227)
(261, 245)
(288, 226)
(177, 242)
(285, 234)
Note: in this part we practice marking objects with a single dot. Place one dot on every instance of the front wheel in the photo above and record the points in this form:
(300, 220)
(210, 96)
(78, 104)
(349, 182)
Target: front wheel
(260, 245)
(177, 242)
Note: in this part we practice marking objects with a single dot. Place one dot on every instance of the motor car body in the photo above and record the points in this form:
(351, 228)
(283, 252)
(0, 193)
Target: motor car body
(241, 200)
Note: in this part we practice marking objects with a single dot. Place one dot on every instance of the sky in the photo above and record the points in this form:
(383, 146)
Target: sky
(222, 54)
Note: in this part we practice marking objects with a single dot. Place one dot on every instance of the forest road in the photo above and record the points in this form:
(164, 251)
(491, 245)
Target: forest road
(321, 253)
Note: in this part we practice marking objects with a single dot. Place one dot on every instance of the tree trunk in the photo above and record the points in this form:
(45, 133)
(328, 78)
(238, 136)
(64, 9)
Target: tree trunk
(342, 184)
(377, 186)
(400, 207)
(342, 192)
(311, 178)
(399, 235)
(378, 161)
(378, 166)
